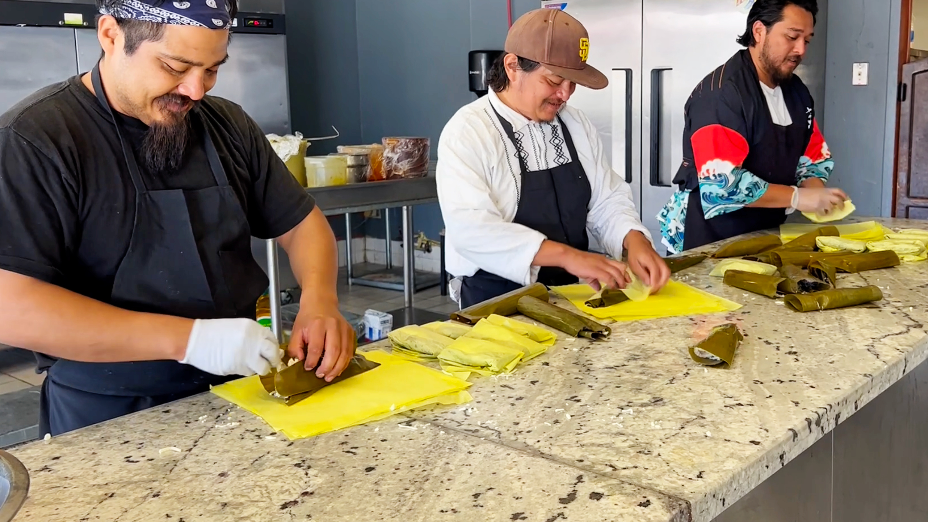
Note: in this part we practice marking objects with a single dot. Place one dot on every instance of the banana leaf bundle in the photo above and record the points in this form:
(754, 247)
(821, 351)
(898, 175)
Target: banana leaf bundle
(802, 259)
(765, 285)
(806, 242)
(798, 282)
(719, 347)
(294, 383)
(504, 305)
(606, 297)
(748, 247)
(855, 263)
(562, 320)
(832, 299)
(418, 342)
(823, 271)
(678, 264)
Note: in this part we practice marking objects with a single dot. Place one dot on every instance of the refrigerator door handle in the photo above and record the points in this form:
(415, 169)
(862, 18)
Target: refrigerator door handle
(656, 116)
(629, 108)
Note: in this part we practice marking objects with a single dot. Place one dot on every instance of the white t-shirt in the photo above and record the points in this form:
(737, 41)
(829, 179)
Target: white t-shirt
(778, 111)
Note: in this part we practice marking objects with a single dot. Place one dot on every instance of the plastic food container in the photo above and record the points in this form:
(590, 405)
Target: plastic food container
(326, 171)
(375, 158)
(405, 157)
(358, 166)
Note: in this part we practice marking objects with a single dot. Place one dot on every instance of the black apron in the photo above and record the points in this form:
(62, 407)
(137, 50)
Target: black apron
(554, 202)
(774, 156)
(181, 241)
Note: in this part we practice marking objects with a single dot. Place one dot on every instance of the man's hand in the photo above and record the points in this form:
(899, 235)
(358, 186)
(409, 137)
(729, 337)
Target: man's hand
(232, 347)
(598, 270)
(320, 332)
(818, 200)
(645, 262)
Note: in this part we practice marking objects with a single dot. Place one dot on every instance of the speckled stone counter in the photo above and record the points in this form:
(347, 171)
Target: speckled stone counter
(629, 429)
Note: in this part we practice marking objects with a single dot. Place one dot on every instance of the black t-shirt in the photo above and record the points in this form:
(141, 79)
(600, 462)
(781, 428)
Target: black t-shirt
(67, 202)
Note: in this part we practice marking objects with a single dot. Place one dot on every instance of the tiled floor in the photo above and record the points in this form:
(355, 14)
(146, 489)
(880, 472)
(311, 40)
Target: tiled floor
(357, 299)
(17, 367)
(17, 370)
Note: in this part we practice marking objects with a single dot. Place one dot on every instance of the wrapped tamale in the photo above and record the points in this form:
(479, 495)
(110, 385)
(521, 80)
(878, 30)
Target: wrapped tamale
(748, 247)
(606, 297)
(854, 263)
(806, 242)
(448, 329)
(825, 272)
(562, 320)
(535, 333)
(802, 259)
(797, 281)
(908, 250)
(719, 347)
(765, 285)
(840, 244)
(419, 342)
(744, 265)
(836, 214)
(505, 304)
(831, 299)
(294, 383)
(678, 264)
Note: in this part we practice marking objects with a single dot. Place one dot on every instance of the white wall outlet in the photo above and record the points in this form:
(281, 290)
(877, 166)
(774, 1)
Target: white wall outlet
(861, 73)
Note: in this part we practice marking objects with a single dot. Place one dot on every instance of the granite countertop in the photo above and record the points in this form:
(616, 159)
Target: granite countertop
(628, 429)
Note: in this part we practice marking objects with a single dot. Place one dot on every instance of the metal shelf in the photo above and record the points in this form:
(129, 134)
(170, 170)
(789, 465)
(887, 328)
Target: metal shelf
(363, 197)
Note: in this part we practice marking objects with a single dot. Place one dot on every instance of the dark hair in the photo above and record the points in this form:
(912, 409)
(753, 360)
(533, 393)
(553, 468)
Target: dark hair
(497, 78)
(138, 31)
(770, 12)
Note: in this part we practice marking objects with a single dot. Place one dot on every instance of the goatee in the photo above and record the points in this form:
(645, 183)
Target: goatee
(165, 144)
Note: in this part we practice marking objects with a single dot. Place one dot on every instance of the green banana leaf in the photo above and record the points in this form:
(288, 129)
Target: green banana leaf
(758, 283)
(832, 299)
(562, 320)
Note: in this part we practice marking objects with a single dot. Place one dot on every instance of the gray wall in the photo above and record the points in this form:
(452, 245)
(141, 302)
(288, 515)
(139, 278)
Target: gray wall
(861, 119)
(375, 68)
(413, 73)
(322, 41)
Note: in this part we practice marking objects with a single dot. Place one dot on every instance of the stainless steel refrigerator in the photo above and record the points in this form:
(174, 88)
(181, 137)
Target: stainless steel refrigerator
(654, 53)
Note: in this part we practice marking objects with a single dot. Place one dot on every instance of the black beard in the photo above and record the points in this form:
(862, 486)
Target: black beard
(775, 73)
(166, 142)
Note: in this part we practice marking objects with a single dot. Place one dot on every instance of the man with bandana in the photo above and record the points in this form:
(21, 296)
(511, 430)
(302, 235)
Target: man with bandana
(752, 149)
(128, 199)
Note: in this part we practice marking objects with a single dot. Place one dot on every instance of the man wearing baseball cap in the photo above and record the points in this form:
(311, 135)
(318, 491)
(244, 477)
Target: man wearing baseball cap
(522, 177)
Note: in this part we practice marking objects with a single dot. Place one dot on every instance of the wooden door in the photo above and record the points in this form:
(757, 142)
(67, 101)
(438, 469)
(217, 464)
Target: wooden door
(912, 154)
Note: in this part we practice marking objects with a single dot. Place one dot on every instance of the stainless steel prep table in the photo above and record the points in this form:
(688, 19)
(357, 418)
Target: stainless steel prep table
(363, 197)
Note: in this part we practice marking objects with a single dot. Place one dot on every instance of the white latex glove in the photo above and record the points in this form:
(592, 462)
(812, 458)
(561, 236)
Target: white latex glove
(232, 347)
(817, 200)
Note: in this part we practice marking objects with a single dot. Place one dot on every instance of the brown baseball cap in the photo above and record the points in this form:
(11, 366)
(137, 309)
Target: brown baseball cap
(559, 42)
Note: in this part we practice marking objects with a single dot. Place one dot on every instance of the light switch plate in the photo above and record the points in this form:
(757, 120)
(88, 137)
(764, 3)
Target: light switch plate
(861, 73)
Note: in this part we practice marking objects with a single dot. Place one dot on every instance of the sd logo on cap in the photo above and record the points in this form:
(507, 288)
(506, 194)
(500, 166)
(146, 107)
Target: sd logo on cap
(551, 37)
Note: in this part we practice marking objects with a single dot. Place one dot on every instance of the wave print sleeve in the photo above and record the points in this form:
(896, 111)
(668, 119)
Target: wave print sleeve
(816, 162)
(724, 186)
